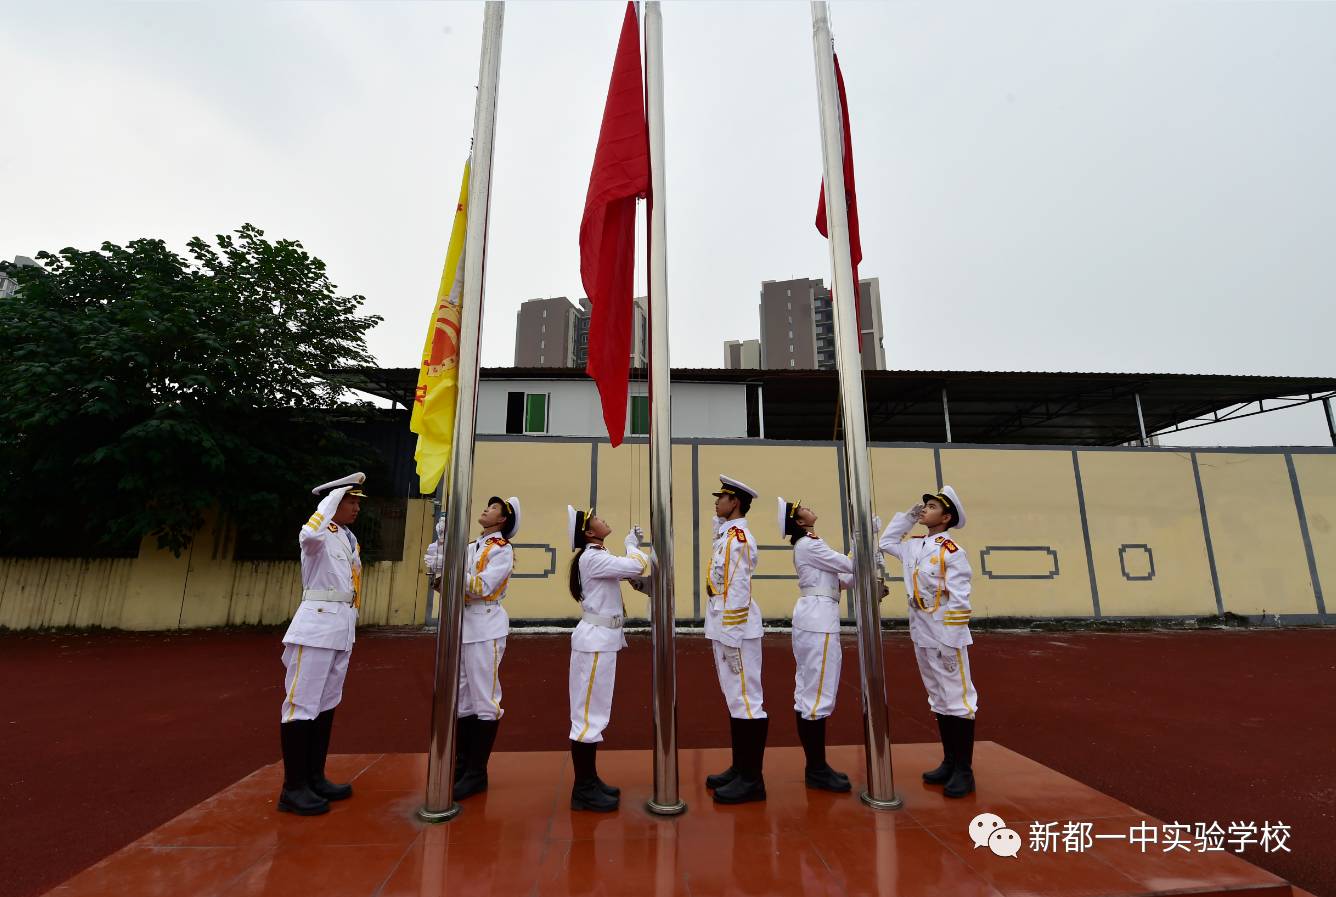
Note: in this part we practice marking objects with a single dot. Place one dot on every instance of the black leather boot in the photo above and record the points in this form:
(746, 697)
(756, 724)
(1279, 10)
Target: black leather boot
(819, 744)
(297, 796)
(324, 726)
(942, 774)
(749, 784)
(474, 780)
(464, 727)
(962, 777)
(609, 790)
(586, 793)
(818, 774)
(719, 780)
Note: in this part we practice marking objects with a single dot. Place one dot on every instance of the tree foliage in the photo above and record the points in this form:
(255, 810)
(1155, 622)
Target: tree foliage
(140, 388)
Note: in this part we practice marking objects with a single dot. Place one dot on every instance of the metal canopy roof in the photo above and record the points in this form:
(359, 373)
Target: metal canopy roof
(990, 407)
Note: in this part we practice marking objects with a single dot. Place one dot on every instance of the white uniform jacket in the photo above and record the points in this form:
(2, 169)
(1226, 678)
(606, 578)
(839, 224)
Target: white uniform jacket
(331, 562)
(937, 583)
(822, 572)
(731, 615)
(601, 575)
(487, 569)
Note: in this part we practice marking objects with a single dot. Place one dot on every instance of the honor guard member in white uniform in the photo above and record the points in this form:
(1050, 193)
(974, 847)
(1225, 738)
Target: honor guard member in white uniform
(937, 581)
(733, 625)
(318, 644)
(822, 572)
(487, 567)
(596, 577)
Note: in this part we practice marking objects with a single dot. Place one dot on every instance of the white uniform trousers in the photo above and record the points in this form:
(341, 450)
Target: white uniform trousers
(480, 679)
(818, 660)
(593, 675)
(314, 680)
(946, 676)
(739, 672)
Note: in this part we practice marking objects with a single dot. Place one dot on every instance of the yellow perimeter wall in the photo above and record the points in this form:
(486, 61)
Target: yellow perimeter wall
(1052, 533)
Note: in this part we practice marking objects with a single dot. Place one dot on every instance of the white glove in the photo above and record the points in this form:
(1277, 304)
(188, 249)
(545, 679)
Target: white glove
(915, 510)
(440, 528)
(876, 524)
(632, 543)
(639, 533)
(734, 657)
(432, 559)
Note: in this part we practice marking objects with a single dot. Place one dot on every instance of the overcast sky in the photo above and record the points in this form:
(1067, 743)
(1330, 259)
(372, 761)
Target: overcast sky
(1043, 186)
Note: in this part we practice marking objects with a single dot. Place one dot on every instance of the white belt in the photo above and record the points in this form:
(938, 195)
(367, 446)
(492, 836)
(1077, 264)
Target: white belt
(605, 622)
(328, 595)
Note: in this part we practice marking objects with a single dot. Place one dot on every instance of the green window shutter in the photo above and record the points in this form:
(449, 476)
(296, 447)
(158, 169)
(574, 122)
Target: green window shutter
(535, 413)
(639, 415)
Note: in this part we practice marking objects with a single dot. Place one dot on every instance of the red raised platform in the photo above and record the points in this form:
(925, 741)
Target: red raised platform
(522, 838)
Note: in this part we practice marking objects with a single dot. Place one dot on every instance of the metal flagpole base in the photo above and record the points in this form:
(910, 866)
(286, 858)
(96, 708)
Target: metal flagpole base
(894, 803)
(676, 809)
(437, 816)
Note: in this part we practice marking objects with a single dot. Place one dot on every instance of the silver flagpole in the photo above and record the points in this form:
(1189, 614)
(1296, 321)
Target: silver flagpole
(880, 792)
(666, 801)
(440, 804)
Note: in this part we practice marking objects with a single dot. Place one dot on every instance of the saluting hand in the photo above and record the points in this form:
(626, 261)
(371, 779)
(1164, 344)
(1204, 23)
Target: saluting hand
(915, 510)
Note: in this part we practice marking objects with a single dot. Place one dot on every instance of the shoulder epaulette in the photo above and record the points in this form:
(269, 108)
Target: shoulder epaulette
(950, 546)
(499, 540)
(741, 533)
(333, 527)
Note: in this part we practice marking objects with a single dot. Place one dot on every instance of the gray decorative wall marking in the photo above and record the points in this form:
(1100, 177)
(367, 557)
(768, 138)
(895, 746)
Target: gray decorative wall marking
(1150, 561)
(998, 549)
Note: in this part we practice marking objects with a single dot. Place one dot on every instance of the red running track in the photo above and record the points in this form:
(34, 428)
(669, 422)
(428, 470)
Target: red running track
(108, 735)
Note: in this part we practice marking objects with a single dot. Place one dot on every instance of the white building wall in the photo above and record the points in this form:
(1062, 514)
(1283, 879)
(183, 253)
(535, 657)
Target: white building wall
(717, 410)
(700, 410)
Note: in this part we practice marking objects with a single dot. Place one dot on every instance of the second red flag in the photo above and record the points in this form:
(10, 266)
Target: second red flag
(607, 229)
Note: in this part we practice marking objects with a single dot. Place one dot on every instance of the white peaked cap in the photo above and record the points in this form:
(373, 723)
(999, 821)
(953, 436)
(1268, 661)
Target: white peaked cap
(730, 486)
(352, 479)
(948, 495)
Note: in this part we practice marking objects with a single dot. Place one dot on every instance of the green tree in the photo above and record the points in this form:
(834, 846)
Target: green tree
(138, 388)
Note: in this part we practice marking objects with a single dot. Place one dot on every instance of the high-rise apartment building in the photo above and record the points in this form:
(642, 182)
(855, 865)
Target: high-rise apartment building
(798, 325)
(545, 333)
(554, 333)
(8, 285)
(742, 354)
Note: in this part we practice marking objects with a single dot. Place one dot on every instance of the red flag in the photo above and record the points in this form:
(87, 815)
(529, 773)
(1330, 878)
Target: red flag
(850, 198)
(607, 230)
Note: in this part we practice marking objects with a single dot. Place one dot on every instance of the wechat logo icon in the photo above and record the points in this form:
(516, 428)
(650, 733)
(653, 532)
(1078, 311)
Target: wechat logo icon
(989, 830)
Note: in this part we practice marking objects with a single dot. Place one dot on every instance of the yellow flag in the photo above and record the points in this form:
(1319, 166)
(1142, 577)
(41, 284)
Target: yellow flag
(434, 402)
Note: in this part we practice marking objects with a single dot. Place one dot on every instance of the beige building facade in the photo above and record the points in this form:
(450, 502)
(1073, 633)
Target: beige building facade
(1079, 533)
